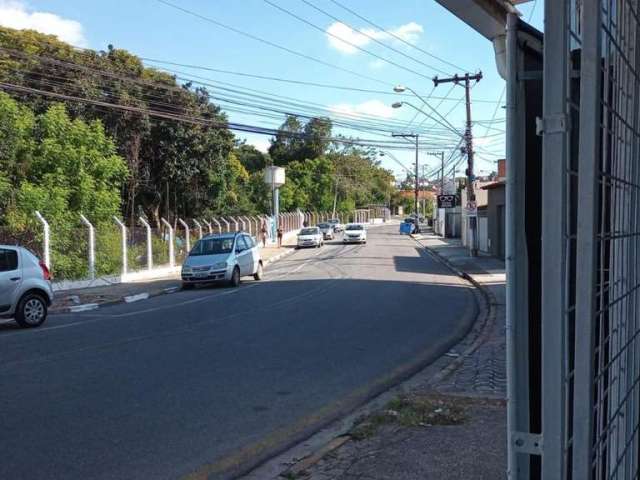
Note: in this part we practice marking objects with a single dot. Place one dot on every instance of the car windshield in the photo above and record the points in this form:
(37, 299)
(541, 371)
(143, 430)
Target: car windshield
(324, 225)
(212, 246)
(355, 227)
(309, 231)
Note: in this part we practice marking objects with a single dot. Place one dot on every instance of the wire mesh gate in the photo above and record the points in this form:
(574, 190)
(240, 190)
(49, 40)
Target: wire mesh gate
(591, 269)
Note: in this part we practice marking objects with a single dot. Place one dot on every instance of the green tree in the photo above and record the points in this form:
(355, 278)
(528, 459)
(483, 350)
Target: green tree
(67, 167)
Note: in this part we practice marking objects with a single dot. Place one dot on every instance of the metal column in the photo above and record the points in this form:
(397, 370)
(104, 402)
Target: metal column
(554, 153)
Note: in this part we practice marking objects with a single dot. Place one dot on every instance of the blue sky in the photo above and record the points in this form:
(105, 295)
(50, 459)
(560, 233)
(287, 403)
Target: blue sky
(153, 30)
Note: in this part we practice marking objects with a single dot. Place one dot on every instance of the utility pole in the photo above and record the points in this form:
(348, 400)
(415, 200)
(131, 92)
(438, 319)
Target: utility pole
(465, 80)
(417, 183)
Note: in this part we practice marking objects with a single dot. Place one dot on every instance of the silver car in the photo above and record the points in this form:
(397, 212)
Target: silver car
(222, 258)
(327, 230)
(25, 286)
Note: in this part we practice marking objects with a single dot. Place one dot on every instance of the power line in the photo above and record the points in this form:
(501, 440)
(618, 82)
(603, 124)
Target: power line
(368, 52)
(268, 96)
(372, 38)
(270, 43)
(206, 122)
(397, 37)
(153, 61)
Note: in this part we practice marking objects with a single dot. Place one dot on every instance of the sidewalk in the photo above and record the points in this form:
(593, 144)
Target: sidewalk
(90, 298)
(450, 421)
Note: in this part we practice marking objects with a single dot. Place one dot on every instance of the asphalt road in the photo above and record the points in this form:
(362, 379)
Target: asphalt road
(201, 383)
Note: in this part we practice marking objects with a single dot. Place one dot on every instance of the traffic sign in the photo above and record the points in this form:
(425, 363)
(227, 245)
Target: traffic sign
(471, 209)
(446, 201)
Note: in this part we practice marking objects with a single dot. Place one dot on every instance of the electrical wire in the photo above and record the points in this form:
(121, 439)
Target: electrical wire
(268, 95)
(270, 43)
(397, 37)
(372, 38)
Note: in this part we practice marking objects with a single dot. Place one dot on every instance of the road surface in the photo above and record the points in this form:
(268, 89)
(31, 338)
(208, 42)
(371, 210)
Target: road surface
(204, 382)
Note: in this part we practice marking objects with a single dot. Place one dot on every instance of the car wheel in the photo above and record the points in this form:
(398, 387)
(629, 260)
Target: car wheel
(31, 310)
(187, 286)
(235, 277)
(259, 272)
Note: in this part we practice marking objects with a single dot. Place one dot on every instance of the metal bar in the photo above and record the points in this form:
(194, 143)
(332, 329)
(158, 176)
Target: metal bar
(553, 265)
(123, 244)
(199, 226)
(516, 328)
(45, 240)
(92, 247)
(589, 154)
(187, 239)
(172, 254)
(146, 225)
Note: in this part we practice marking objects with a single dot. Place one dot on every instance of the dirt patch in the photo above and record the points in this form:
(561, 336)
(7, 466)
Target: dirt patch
(415, 410)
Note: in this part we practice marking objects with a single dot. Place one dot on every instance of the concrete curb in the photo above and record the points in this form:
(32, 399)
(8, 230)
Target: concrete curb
(144, 295)
(487, 316)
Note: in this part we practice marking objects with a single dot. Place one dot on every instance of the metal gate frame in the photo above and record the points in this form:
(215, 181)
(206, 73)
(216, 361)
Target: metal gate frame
(591, 271)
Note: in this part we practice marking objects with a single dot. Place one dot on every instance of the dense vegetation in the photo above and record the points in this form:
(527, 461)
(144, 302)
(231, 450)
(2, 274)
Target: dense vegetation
(165, 151)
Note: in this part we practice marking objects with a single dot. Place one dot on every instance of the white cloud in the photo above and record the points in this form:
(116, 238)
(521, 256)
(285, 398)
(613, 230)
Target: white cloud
(374, 108)
(15, 14)
(349, 39)
(261, 144)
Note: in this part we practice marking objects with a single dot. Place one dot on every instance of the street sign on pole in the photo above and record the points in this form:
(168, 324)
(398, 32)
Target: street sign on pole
(471, 209)
(446, 201)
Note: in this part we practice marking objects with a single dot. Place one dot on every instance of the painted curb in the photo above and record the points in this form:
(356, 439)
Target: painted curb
(136, 298)
(84, 307)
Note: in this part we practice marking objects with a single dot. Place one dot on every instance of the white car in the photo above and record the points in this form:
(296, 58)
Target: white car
(222, 258)
(310, 237)
(354, 233)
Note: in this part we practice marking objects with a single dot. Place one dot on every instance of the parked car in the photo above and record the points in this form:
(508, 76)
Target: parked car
(310, 237)
(337, 226)
(354, 233)
(328, 232)
(25, 286)
(222, 258)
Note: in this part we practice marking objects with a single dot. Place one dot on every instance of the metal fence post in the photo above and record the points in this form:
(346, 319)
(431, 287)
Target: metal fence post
(553, 246)
(92, 247)
(199, 227)
(172, 252)
(228, 225)
(215, 220)
(149, 244)
(123, 245)
(208, 226)
(45, 240)
(249, 224)
(187, 236)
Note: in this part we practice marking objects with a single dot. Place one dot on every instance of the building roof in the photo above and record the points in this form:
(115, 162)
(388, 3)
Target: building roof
(494, 185)
(487, 17)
